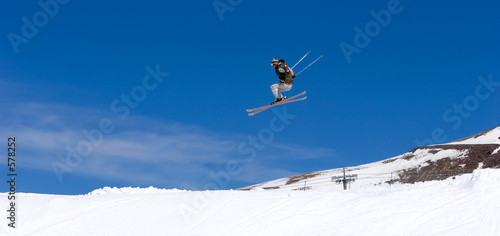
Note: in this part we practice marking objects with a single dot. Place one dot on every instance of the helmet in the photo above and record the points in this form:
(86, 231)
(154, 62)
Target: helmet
(275, 61)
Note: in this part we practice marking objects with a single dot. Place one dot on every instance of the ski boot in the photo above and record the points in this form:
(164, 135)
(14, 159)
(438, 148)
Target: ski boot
(278, 100)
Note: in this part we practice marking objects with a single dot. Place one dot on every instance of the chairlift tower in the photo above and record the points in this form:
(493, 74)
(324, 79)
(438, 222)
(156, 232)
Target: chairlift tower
(344, 179)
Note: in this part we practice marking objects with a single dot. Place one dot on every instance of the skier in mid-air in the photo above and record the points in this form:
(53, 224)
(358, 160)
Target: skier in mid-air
(286, 76)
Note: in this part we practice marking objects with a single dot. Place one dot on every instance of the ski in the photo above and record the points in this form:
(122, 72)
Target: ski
(295, 98)
(290, 98)
(276, 104)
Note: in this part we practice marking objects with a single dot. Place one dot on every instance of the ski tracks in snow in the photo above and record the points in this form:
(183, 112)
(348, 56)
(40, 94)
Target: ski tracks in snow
(239, 226)
(94, 207)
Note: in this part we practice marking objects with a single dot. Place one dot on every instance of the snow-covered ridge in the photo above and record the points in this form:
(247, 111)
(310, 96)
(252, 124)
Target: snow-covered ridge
(491, 136)
(131, 190)
(434, 162)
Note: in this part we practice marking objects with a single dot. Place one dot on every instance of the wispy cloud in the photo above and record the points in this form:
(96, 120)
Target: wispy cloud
(140, 150)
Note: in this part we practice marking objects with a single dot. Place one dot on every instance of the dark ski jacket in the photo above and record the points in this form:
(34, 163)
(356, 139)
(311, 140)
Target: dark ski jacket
(284, 73)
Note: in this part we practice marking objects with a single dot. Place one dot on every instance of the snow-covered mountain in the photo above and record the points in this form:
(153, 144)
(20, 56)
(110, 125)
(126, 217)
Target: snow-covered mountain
(435, 162)
(376, 204)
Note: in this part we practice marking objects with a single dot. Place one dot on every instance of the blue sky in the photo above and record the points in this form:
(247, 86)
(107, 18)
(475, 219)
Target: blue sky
(128, 93)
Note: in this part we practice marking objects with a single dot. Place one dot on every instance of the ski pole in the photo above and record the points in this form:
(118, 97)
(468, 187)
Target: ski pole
(309, 65)
(301, 59)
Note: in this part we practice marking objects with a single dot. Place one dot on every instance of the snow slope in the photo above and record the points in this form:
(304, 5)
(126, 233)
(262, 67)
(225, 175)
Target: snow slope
(466, 205)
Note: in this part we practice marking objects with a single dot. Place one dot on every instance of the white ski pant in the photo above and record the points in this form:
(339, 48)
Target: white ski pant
(277, 88)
